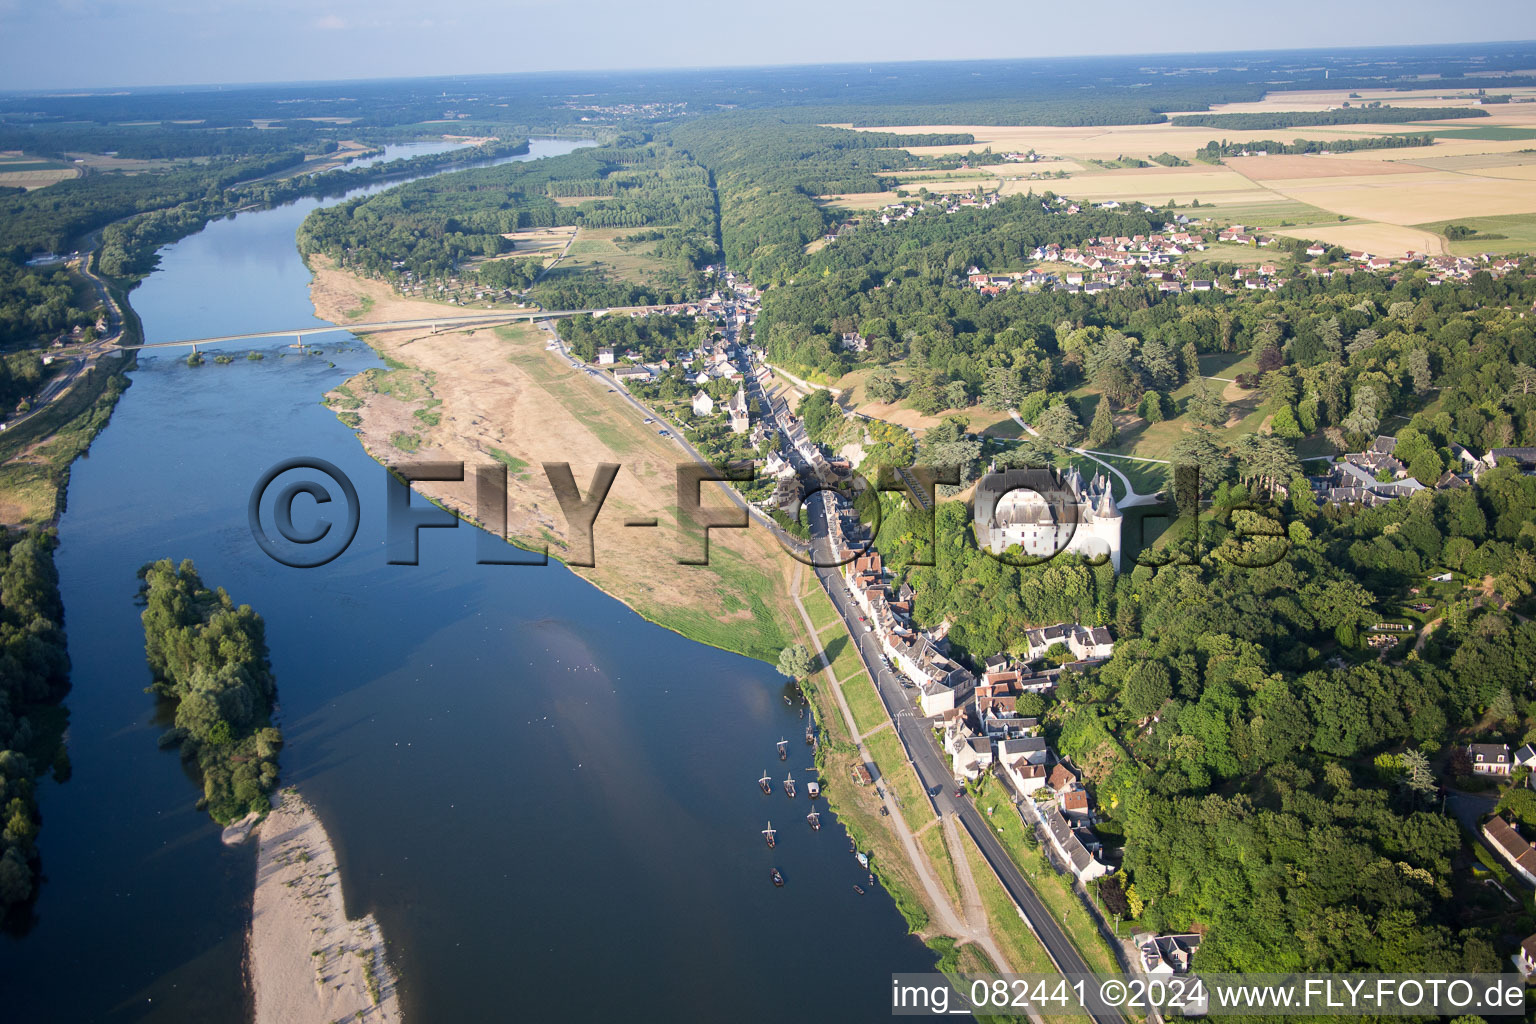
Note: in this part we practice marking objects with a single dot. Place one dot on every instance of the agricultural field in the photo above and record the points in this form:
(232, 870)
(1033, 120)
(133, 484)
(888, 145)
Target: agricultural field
(1373, 200)
(1512, 233)
(20, 171)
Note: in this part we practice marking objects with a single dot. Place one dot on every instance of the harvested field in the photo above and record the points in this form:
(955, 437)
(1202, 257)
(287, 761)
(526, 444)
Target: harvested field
(1272, 168)
(1377, 239)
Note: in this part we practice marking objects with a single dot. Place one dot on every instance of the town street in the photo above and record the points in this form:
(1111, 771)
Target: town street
(917, 737)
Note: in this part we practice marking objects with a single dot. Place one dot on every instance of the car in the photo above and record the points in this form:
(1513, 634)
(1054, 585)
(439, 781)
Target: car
(664, 433)
(649, 420)
(959, 793)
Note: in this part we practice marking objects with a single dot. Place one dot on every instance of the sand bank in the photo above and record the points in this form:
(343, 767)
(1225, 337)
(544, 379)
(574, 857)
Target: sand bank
(309, 964)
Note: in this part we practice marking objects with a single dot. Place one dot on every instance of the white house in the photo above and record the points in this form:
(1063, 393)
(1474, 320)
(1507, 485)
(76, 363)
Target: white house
(703, 405)
(1490, 758)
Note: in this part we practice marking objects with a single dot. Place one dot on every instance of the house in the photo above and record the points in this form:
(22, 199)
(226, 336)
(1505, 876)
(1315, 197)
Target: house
(703, 405)
(1525, 757)
(1061, 778)
(605, 357)
(1525, 959)
(1082, 863)
(1508, 844)
(1167, 954)
(1074, 803)
(1093, 644)
(632, 375)
(1026, 777)
(1490, 758)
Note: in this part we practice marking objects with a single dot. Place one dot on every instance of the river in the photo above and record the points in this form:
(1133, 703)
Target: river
(549, 803)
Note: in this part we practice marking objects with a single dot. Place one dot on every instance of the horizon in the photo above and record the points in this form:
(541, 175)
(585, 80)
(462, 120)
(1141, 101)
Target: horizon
(350, 40)
(681, 69)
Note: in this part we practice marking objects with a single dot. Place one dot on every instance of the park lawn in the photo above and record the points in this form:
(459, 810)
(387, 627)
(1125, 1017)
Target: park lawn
(819, 608)
(842, 656)
(885, 746)
(864, 702)
(1055, 890)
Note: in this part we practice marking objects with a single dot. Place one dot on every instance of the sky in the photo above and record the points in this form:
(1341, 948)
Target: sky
(68, 44)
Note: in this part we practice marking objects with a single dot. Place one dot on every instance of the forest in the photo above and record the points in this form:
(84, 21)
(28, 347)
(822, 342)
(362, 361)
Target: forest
(208, 657)
(1373, 113)
(34, 676)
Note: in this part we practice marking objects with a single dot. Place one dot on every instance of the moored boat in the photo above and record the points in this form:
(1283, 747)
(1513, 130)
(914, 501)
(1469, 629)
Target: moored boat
(768, 834)
(858, 890)
(778, 879)
(789, 786)
(863, 859)
(783, 750)
(814, 820)
(766, 783)
(813, 789)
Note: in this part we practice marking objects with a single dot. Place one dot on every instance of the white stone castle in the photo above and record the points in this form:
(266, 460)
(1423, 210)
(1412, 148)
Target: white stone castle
(1046, 514)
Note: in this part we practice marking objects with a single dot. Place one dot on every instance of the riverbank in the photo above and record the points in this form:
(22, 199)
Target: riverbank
(307, 962)
(491, 396)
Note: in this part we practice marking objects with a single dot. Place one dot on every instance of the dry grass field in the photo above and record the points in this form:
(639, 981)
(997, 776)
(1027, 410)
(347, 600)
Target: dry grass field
(499, 395)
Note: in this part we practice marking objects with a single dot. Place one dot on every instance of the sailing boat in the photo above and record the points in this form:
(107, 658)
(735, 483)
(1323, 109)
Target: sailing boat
(789, 786)
(766, 783)
(814, 819)
(783, 750)
(768, 833)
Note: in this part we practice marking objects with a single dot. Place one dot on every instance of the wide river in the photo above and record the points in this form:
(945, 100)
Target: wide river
(550, 804)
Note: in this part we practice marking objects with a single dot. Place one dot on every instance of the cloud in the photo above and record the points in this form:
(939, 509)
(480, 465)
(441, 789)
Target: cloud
(331, 22)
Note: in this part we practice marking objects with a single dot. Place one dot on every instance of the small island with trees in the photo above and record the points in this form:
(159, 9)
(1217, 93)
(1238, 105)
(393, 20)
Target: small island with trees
(209, 657)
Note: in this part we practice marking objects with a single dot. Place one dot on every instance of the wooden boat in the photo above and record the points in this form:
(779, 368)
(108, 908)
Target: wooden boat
(851, 847)
(858, 890)
(766, 783)
(813, 790)
(783, 750)
(768, 834)
(814, 820)
(778, 879)
(789, 786)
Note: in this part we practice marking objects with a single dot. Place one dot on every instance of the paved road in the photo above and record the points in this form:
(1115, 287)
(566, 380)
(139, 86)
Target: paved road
(917, 737)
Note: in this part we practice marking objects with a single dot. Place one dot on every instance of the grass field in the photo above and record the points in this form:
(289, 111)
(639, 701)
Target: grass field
(863, 701)
(598, 252)
(819, 607)
(1024, 951)
(844, 658)
(1519, 231)
(28, 172)
(899, 777)
(1484, 133)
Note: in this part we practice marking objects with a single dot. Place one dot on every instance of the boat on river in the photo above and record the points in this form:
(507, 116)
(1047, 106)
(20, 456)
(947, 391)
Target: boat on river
(789, 786)
(768, 834)
(783, 750)
(863, 859)
(813, 789)
(778, 879)
(814, 820)
(766, 783)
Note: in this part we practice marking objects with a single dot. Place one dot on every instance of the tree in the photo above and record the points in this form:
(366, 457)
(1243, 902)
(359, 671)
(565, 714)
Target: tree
(795, 662)
(882, 386)
(1205, 407)
(1059, 425)
(1284, 424)
(1416, 773)
(1503, 707)
(1002, 387)
(1329, 333)
(1101, 431)
(1265, 458)
(1419, 372)
(1151, 407)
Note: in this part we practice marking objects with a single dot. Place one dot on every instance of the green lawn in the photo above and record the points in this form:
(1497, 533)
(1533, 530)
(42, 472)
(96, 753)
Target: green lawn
(820, 609)
(1018, 942)
(899, 777)
(1518, 229)
(840, 652)
(864, 702)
